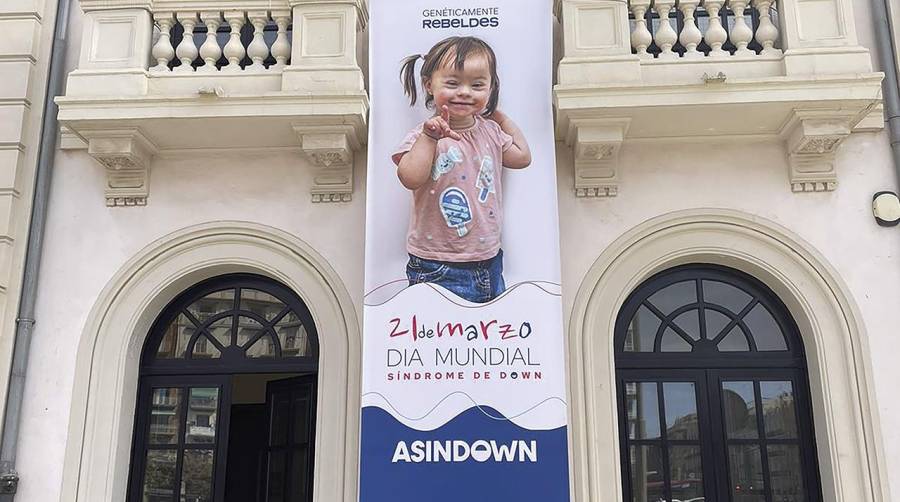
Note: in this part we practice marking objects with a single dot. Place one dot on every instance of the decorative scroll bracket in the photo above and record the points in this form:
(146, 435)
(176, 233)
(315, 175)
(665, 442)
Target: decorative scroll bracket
(330, 149)
(126, 155)
(596, 144)
(812, 138)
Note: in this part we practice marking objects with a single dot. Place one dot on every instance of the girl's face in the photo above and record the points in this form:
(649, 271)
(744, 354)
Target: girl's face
(464, 92)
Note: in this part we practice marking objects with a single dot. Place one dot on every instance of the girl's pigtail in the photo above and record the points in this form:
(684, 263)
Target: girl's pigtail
(408, 77)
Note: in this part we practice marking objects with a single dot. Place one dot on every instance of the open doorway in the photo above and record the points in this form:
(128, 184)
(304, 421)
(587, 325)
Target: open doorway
(271, 438)
(227, 398)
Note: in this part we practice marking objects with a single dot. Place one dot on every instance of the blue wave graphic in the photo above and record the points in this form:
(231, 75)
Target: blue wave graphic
(545, 479)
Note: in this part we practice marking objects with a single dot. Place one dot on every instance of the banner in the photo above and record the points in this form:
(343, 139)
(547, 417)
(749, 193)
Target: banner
(463, 391)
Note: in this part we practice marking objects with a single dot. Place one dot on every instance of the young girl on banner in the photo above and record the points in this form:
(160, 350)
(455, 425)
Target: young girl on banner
(451, 164)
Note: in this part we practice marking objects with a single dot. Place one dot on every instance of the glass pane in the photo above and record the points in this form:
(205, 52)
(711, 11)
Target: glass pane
(165, 416)
(264, 347)
(248, 328)
(301, 420)
(212, 304)
(786, 473)
(159, 476)
(647, 484)
(277, 472)
(681, 410)
(689, 322)
(175, 341)
(740, 410)
(204, 349)
(715, 323)
(203, 407)
(221, 330)
(686, 472)
(745, 466)
(672, 342)
(725, 295)
(299, 472)
(261, 303)
(293, 336)
(778, 409)
(642, 410)
(676, 295)
(764, 329)
(196, 476)
(735, 341)
(642, 331)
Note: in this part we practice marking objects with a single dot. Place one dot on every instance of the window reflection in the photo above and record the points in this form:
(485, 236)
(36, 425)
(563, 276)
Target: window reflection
(642, 407)
(203, 407)
(165, 416)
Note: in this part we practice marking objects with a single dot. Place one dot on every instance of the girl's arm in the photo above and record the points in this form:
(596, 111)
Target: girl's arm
(517, 156)
(414, 168)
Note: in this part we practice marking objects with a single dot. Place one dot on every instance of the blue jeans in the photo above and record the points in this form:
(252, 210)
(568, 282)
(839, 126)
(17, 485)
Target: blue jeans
(476, 281)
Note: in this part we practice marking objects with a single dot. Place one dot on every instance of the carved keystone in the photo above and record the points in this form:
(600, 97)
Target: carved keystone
(596, 144)
(812, 139)
(330, 148)
(126, 155)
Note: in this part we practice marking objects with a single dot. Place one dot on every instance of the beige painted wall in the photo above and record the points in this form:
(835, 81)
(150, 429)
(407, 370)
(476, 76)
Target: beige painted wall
(26, 35)
(88, 242)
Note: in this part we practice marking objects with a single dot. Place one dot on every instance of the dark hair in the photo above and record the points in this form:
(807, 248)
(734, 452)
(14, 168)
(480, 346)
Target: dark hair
(459, 48)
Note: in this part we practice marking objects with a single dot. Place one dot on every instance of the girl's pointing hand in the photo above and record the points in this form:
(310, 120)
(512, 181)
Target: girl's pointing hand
(438, 127)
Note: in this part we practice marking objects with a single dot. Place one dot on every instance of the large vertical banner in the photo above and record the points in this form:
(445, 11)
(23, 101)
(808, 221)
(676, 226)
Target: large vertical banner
(463, 358)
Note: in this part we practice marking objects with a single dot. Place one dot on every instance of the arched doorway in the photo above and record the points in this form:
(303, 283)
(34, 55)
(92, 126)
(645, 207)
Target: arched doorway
(713, 395)
(226, 401)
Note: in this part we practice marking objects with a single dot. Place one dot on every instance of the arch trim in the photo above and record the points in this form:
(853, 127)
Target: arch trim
(107, 363)
(851, 461)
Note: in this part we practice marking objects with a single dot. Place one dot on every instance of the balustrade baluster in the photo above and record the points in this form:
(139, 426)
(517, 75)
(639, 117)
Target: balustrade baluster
(715, 34)
(767, 32)
(163, 51)
(665, 35)
(690, 35)
(210, 50)
(258, 50)
(187, 50)
(741, 33)
(234, 49)
(281, 48)
(641, 37)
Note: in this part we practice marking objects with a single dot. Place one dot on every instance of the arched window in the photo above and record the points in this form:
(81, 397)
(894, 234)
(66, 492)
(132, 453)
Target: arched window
(226, 399)
(712, 392)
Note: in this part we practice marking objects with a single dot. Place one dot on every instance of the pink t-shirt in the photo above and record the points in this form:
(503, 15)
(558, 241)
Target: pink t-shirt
(457, 215)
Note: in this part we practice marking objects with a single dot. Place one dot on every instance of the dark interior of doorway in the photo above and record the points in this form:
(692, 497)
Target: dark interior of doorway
(270, 434)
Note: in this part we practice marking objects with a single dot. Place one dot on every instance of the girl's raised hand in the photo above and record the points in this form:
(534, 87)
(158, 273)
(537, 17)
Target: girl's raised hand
(438, 127)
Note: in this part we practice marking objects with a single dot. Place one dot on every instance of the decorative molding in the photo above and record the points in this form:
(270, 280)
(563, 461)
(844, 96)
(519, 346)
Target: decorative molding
(105, 380)
(126, 154)
(851, 462)
(812, 138)
(330, 149)
(596, 144)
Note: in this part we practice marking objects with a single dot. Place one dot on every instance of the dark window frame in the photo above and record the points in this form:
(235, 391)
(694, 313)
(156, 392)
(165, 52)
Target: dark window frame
(190, 373)
(707, 369)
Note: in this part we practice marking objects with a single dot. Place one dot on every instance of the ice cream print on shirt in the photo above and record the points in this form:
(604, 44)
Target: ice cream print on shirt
(445, 162)
(485, 181)
(455, 208)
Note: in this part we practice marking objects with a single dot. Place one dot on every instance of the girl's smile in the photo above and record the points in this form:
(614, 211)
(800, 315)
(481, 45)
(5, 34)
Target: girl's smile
(465, 92)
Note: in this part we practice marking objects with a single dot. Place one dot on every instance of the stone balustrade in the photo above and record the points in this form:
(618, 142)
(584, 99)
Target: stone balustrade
(229, 41)
(647, 70)
(693, 29)
(257, 73)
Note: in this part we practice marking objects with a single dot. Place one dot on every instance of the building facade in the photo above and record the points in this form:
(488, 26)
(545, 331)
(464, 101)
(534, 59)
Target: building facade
(224, 173)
